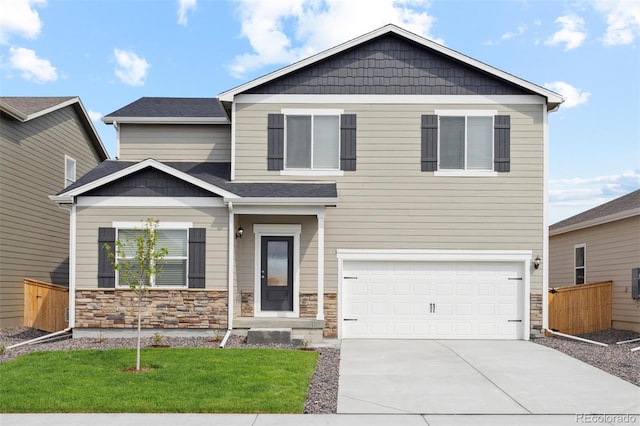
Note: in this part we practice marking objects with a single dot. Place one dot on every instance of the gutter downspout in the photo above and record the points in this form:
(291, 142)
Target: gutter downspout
(568, 336)
(231, 259)
(46, 336)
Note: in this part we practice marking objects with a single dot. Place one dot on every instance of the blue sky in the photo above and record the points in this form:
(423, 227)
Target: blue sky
(112, 52)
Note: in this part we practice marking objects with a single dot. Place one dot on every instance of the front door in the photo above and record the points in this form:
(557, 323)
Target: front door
(276, 273)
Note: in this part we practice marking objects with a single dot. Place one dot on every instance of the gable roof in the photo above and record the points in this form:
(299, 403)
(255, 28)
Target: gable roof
(553, 99)
(170, 110)
(213, 177)
(26, 108)
(620, 208)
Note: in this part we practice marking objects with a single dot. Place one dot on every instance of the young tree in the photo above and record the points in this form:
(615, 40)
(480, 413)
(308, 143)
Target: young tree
(138, 262)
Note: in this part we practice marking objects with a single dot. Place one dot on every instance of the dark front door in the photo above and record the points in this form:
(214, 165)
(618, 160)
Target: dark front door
(276, 274)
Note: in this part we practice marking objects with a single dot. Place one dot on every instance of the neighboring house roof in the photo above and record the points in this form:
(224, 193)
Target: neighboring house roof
(170, 110)
(25, 108)
(620, 208)
(213, 177)
(553, 99)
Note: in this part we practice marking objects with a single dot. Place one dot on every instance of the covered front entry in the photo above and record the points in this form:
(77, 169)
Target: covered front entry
(414, 299)
(276, 273)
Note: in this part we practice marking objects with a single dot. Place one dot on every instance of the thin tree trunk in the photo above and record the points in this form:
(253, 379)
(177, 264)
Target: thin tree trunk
(139, 317)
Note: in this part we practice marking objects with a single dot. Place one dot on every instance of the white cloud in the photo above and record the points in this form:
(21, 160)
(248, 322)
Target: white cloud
(19, 17)
(568, 197)
(522, 28)
(572, 95)
(94, 116)
(285, 31)
(572, 32)
(131, 69)
(30, 66)
(183, 7)
(623, 21)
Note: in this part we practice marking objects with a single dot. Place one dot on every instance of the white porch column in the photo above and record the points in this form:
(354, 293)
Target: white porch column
(320, 315)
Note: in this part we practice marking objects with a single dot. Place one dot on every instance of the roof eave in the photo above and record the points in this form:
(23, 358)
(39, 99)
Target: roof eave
(594, 222)
(285, 201)
(166, 120)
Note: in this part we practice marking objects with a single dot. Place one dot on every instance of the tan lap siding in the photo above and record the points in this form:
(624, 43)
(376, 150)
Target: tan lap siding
(214, 220)
(388, 203)
(184, 142)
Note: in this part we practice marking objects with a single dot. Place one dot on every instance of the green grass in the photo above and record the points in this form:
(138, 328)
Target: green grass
(180, 381)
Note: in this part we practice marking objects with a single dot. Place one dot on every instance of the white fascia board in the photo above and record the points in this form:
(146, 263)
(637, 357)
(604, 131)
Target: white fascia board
(15, 113)
(598, 221)
(61, 199)
(279, 210)
(283, 201)
(62, 104)
(149, 163)
(93, 129)
(149, 202)
(552, 97)
(167, 120)
(436, 255)
(394, 99)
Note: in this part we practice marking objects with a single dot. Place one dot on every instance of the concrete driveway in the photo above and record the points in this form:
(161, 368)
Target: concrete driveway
(474, 377)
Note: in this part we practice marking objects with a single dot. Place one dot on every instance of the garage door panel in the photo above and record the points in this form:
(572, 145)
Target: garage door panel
(433, 300)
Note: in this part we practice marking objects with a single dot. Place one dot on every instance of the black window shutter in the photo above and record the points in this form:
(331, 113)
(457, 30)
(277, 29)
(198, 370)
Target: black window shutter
(275, 142)
(502, 143)
(429, 149)
(106, 273)
(197, 257)
(348, 142)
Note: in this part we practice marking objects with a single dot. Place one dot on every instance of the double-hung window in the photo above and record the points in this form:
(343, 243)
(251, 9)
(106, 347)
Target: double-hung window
(174, 268)
(580, 263)
(312, 140)
(466, 140)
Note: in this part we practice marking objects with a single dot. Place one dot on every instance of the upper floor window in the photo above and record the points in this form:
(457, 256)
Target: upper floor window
(580, 262)
(312, 139)
(466, 142)
(69, 170)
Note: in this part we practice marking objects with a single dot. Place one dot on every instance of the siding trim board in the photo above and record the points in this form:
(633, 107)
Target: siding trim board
(391, 99)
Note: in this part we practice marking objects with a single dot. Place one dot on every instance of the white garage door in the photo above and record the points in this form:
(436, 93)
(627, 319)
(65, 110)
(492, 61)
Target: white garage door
(438, 300)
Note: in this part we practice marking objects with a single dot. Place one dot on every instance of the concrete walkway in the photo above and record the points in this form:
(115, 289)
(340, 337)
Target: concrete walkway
(307, 419)
(475, 377)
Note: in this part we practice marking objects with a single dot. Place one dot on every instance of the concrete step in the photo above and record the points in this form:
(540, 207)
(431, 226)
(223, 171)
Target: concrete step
(268, 335)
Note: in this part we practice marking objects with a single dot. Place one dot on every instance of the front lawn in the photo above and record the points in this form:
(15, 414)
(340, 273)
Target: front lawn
(179, 381)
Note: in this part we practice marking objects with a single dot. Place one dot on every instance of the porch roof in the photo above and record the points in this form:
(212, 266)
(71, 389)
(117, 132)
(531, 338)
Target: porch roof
(206, 175)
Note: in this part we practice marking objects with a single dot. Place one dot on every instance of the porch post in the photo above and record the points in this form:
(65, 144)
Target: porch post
(320, 315)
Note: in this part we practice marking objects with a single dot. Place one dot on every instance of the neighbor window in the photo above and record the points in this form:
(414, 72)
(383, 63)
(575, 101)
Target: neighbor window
(174, 268)
(312, 141)
(466, 142)
(580, 262)
(69, 170)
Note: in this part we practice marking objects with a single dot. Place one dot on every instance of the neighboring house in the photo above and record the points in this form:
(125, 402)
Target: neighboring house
(602, 244)
(387, 187)
(45, 142)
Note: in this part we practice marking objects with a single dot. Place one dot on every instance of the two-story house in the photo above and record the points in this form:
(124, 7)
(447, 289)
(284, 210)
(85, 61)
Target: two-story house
(388, 187)
(45, 142)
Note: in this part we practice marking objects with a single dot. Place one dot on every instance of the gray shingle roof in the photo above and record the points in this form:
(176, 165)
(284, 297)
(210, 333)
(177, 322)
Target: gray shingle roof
(31, 104)
(218, 174)
(172, 108)
(626, 202)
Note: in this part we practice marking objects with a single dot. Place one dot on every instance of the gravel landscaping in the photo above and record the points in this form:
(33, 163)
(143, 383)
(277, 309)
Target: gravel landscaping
(322, 396)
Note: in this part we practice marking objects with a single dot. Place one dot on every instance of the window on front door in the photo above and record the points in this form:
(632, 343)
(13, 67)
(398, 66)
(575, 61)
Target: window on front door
(466, 143)
(312, 142)
(580, 262)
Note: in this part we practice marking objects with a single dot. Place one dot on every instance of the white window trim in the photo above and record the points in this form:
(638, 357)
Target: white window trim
(311, 171)
(584, 263)
(269, 230)
(67, 179)
(179, 226)
(466, 113)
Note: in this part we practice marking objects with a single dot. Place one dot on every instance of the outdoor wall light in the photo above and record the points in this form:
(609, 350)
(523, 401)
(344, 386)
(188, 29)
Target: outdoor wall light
(536, 262)
(239, 232)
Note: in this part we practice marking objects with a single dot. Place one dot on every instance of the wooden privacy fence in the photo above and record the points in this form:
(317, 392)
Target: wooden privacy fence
(580, 309)
(45, 305)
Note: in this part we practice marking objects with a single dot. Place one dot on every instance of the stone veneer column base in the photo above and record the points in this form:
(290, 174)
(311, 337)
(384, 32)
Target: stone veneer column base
(161, 309)
(536, 314)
